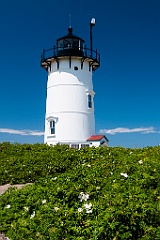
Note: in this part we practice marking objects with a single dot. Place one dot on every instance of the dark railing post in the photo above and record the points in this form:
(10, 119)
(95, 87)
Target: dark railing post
(54, 51)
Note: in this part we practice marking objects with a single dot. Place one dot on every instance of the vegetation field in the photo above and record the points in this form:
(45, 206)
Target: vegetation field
(88, 194)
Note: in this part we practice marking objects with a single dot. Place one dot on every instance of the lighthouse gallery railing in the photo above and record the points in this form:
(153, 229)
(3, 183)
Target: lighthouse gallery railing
(70, 51)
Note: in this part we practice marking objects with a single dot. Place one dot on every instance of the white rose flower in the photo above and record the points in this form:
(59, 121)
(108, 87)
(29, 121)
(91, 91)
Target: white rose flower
(124, 175)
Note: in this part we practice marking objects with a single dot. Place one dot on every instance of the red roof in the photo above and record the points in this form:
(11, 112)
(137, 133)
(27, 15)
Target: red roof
(96, 137)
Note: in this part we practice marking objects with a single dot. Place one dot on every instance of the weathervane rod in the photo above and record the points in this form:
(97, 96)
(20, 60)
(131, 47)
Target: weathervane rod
(70, 20)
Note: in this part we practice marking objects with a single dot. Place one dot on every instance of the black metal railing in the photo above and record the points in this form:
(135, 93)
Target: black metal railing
(70, 51)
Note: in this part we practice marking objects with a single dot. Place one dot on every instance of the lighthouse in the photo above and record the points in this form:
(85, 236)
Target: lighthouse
(69, 117)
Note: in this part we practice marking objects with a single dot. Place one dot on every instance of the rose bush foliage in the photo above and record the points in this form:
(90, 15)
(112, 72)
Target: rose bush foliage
(95, 193)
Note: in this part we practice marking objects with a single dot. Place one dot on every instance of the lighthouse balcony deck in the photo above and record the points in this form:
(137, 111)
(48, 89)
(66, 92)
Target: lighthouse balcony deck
(56, 53)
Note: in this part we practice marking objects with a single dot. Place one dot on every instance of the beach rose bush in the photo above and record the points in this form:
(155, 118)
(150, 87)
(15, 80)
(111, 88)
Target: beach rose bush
(95, 193)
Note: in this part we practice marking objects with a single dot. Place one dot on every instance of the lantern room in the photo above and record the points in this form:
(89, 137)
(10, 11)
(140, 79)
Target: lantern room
(70, 45)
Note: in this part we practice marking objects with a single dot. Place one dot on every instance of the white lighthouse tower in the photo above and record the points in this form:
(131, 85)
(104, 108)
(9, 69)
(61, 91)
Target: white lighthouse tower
(69, 115)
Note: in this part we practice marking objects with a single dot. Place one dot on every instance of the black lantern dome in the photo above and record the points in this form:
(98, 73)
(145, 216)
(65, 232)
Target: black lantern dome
(70, 45)
(67, 47)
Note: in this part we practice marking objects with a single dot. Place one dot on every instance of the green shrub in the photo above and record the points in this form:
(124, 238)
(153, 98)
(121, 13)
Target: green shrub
(95, 193)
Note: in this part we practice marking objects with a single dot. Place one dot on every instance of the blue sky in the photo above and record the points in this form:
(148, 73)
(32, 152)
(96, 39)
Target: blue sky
(127, 84)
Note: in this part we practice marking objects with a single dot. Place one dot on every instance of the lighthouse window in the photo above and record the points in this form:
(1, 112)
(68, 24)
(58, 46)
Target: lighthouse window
(67, 43)
(60, 45)
(76, 146)
(89, 101)
(75, 43)
(76, 68)
(52, 127)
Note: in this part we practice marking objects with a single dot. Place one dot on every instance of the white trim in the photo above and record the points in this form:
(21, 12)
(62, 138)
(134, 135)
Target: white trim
(51, 118)
(90, 92)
